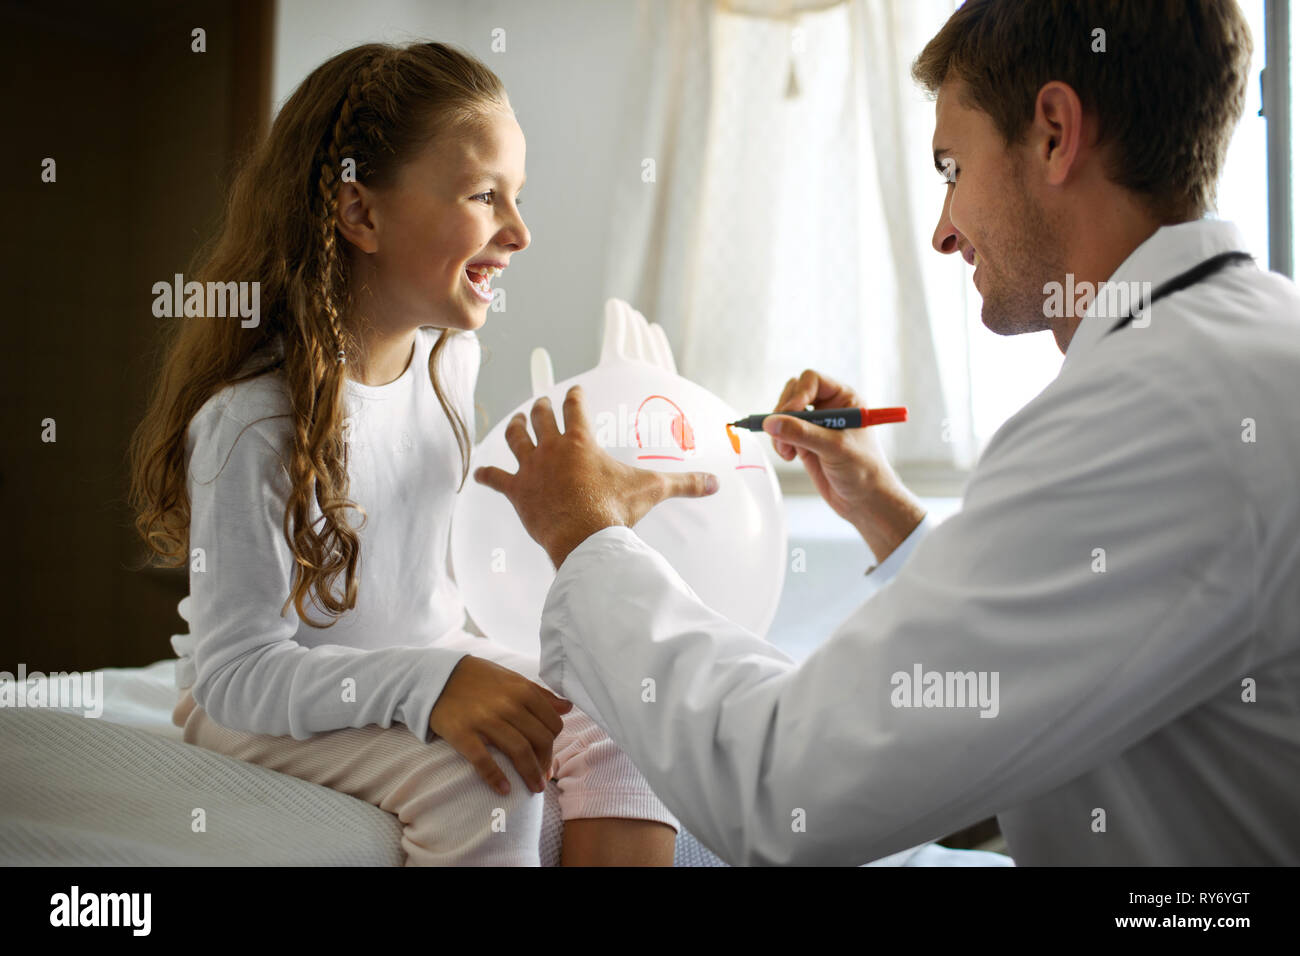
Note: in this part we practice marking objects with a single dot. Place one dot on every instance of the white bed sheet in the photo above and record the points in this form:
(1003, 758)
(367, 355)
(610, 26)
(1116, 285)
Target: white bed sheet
(122, 789)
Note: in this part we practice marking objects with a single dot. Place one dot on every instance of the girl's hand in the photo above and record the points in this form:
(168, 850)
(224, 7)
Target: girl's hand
(484, 703)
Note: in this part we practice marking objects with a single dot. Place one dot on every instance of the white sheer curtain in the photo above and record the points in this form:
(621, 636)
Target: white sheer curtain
(783, 207)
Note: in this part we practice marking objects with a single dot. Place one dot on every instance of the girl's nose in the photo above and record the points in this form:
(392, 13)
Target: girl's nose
(515, 235)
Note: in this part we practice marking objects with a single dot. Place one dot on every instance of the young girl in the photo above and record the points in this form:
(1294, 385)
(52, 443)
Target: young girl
(313, 454)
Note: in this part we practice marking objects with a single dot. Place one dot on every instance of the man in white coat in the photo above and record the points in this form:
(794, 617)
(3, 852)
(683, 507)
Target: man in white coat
(1102, 647)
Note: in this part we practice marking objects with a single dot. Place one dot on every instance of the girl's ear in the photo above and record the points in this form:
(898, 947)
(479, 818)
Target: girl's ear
(356, 221)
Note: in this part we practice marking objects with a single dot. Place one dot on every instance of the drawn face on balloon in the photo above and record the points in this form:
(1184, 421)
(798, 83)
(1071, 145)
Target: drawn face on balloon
(663, 430)
(729, 547)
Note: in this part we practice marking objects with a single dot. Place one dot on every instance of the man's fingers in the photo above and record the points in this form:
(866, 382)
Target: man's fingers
(575, 412)
(785, 396)
(495, 478)
(801, 434)
(785, 404)
(814, 388)
(691, 484)
(543, 417)
(832, 394)
(517, 437)
(805, 391)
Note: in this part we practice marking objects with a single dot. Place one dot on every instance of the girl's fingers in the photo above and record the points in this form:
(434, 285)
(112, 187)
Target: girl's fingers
(516, 746)
(472, 748)
(540, 705)
(539, 737)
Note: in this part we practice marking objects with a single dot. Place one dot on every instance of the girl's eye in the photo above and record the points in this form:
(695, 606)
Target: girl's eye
(490, 195)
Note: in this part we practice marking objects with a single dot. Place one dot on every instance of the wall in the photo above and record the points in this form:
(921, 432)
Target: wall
(143, 132)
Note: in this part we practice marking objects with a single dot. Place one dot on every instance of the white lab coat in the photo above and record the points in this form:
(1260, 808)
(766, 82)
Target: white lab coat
(1126, 560)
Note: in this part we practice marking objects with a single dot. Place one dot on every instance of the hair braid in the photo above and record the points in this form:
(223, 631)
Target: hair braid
(342, 138)
(328, 463)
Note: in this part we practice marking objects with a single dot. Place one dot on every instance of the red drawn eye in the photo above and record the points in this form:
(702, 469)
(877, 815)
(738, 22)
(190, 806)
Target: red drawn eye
(683, 433)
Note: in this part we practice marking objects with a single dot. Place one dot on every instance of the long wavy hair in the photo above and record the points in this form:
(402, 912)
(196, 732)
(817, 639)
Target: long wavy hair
(378, 105)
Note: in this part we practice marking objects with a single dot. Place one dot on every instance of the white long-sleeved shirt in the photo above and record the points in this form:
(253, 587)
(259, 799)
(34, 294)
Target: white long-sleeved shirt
(380, 663)
(1126, 562)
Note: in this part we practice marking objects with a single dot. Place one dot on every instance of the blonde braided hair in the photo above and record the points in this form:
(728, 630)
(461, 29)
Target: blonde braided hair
(378, 105)
(340, 143)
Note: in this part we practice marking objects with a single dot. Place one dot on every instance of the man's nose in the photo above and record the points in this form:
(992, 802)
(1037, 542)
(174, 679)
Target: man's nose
(946, 238)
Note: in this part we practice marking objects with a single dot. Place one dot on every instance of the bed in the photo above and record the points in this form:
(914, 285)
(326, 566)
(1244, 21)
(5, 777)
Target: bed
(123, 788)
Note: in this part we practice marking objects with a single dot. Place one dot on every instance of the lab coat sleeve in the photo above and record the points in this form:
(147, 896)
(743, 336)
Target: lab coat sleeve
(880, 575)
(1097, 579)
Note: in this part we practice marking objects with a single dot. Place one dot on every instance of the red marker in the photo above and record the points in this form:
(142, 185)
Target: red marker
(833, 417)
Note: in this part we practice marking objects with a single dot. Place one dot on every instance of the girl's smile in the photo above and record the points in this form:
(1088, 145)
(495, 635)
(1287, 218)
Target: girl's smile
(479, 275)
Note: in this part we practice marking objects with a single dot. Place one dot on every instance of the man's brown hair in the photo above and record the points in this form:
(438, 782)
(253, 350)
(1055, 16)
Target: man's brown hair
(1167, 91)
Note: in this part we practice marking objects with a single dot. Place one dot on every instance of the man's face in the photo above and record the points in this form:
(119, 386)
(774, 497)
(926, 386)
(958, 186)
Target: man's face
(992, 216)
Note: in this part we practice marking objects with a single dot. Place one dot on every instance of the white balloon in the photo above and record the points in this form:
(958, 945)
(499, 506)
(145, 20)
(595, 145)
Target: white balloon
(729, 547)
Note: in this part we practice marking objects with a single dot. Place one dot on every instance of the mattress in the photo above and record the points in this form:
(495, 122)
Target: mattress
(124, 789)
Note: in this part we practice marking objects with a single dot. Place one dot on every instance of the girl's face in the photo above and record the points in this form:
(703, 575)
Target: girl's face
(435, 236)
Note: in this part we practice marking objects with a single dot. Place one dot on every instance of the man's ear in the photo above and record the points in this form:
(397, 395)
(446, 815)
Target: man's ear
(356, 216)
(1058, 134)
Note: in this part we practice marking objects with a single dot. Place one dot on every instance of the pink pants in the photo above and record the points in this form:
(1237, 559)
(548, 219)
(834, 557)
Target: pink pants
(449, 814)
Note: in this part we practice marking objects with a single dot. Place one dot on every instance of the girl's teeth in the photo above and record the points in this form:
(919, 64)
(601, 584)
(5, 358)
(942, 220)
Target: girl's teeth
(480, 277)
(485, 276)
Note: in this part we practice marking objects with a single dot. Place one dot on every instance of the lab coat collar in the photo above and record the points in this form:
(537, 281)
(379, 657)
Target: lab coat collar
(1169, 251)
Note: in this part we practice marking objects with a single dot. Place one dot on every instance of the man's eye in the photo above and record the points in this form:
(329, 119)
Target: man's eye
(486, 197)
